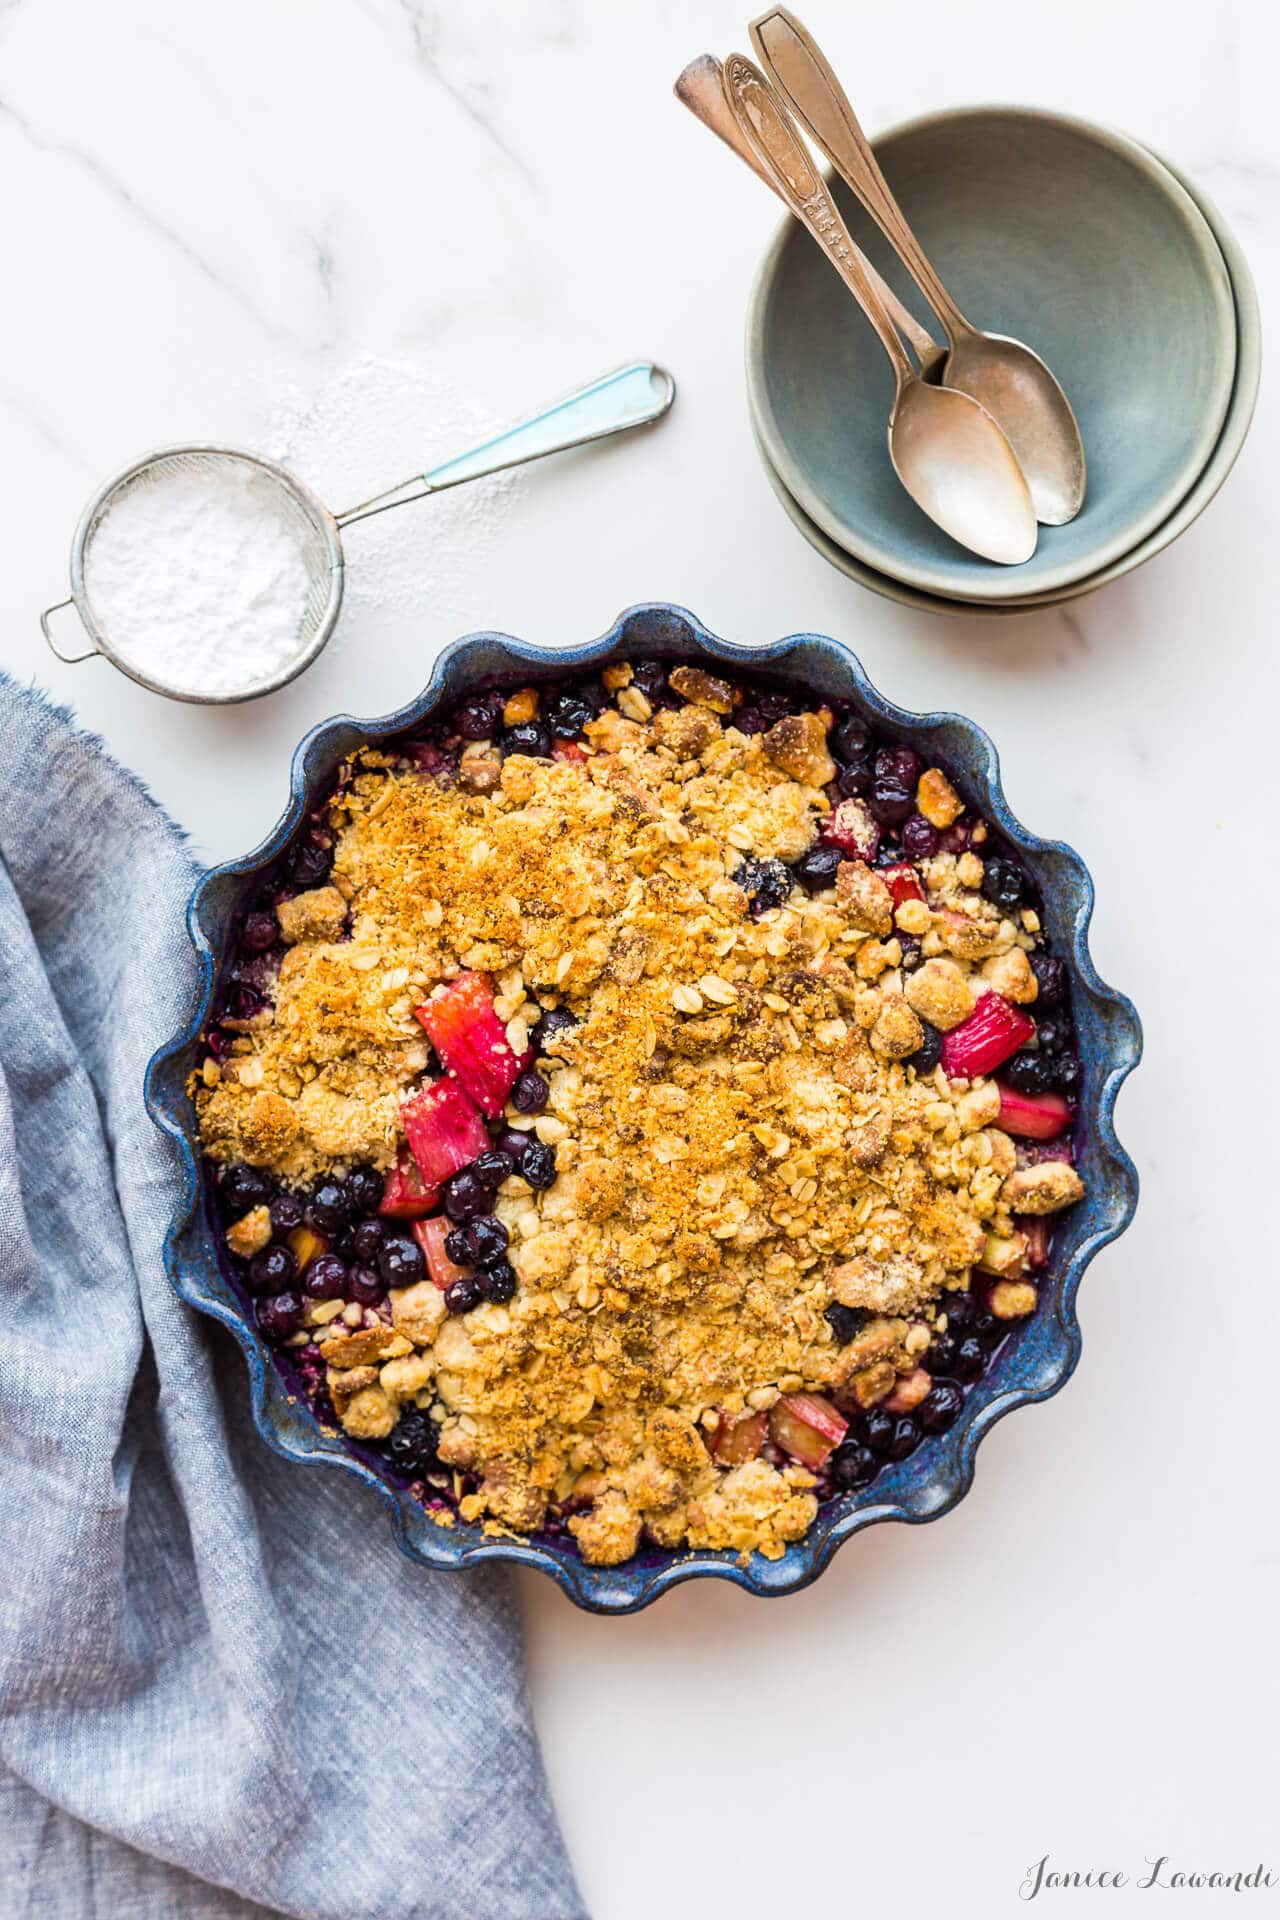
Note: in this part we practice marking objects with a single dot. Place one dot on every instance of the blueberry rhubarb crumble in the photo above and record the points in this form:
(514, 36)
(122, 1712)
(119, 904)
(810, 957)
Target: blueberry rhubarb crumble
(638, 1107)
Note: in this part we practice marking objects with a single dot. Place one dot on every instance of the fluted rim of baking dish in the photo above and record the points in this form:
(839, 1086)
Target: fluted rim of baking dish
(1035, 1363)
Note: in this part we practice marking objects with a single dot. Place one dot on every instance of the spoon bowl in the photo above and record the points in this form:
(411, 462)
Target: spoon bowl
(1018, 390)
(960, 469)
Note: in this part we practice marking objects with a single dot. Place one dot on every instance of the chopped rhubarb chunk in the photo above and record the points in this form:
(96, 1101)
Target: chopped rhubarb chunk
(1033, 1116)
(807, 1427)
(1034, 1228)
(737, 1441)
(903, 883)
(567, 750)
(994, 1030)
(445, 1130)
(306, 1245)
(471, 1040)
(406, 1195)
(430, 1236)
(853, 828)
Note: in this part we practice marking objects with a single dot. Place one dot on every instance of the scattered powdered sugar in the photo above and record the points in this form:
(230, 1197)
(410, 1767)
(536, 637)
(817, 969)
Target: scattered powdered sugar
(370, 425)
(198, 577)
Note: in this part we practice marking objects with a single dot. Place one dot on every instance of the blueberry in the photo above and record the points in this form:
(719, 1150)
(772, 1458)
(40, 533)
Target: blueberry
(272, 1270)
(893, 785)
(530, 738)
(366, 1241)
(940, 1406)
(988, 1329)
(457, 1247)
(287, 1212)
(1053, 1033)
(904, 1439)
(853, 781)
(329, 1209)
(326, 1277)
(539, 1167)
(243, 1003)
(775, 705)
(766, 883)
(244, 1188)
(551, 1027)
(1069, 1072)
(960, 1308)
(279, 1315)
(492, 1168)
(850, 738)
(530, 1092)
(465, 1195)
(567, 714)
(364, 1189)
(1051, 977)
(1030, 1072)
(941, 1357)
(889, 853)
(308, 865)
(928, 1053)
(845, 1322)
(852, 745)
(499, 1281)
(919, 839)
(515, 1144)
(877, 1430)
(259, 932)
(912, 952)
(412, 1443)
(1003, 883)
(465, 1293)
(650, 676)
(401, 1261)
(477, 718)
(364, 1283)
(486, 1241)
(970, 1360)
(853, 1466)
(749, 720)
(816, 870)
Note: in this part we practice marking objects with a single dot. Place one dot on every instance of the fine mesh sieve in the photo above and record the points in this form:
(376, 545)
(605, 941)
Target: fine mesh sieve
(631, 396)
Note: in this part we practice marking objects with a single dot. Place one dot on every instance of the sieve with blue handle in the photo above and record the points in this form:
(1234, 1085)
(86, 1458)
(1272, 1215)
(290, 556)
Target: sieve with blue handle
(631, 396)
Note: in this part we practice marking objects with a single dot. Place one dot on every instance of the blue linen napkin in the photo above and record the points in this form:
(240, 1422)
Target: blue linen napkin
(223, 1690)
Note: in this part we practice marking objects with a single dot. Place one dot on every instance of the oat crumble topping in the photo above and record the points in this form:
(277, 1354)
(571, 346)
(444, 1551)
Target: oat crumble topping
(768, 1175)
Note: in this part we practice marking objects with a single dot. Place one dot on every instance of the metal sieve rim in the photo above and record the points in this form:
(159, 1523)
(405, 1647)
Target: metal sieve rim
(311, 505)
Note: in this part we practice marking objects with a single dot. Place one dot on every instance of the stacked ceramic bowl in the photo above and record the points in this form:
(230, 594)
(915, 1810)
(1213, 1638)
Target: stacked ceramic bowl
(1081, 242)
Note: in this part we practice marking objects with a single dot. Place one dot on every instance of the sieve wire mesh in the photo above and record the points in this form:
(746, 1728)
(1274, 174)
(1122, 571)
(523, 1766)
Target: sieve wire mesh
(297, 510)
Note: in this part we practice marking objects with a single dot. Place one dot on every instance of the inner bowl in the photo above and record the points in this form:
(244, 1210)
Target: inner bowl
(1067, 236)
(1028, 1367)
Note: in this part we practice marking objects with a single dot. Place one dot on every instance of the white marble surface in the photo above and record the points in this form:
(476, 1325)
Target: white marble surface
(212, 214)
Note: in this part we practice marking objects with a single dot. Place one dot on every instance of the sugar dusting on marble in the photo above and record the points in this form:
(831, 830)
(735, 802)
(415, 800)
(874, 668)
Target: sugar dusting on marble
(370, 425)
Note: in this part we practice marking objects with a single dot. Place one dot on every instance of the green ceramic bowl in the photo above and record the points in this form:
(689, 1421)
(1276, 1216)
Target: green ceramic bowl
(1069, 236)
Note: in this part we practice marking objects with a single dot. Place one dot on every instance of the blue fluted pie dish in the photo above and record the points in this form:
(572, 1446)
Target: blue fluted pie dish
(1029, 1366)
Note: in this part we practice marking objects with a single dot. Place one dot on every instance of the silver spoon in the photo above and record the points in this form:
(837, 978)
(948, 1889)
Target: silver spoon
(701, 88)
(947, 451)
(1010, 381)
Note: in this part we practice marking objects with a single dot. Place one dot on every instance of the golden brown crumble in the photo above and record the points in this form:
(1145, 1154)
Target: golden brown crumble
(739, 1142)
